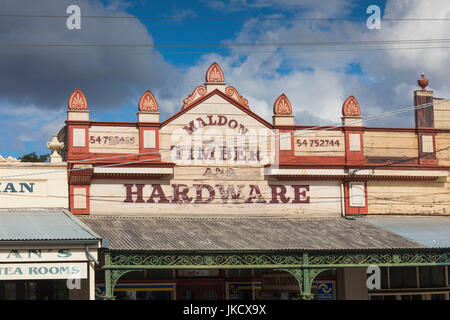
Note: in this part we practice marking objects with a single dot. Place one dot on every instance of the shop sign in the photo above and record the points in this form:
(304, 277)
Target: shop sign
(42, 255)
(198, 273)
(17, 187)
(206, 193)
(36, 271)
(279, 282)
(325, 290)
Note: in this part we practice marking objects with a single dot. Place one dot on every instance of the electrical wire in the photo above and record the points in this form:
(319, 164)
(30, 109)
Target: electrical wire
(258, 44)
(168, 18)
(333, 51)
(307, 131)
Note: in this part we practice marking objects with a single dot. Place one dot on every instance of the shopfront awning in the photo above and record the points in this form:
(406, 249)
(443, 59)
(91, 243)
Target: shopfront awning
(433, 232)
(43, 226)
(246, 233)
(302, 247)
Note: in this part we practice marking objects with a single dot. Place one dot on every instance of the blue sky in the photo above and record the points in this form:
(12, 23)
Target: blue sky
(35, 83)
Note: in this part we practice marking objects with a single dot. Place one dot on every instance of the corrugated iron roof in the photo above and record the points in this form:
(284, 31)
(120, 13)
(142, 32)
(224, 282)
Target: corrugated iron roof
(249, 233)
(432, 232)
(42, 225)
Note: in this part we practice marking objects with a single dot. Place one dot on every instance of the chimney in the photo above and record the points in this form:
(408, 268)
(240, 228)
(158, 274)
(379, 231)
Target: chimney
(424, 116)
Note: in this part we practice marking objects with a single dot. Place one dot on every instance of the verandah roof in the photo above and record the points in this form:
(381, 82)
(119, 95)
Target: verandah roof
(151, 233)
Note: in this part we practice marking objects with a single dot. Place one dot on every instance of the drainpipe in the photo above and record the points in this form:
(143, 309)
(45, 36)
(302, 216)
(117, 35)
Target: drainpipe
(91, 256)
(342, 198)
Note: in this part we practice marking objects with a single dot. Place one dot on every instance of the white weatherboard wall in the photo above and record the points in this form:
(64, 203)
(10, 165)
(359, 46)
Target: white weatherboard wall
(33, 185)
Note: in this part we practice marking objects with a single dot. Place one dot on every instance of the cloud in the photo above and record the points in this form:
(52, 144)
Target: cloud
(45, 77)
(318, 82)
(28, 125)
(310, 8)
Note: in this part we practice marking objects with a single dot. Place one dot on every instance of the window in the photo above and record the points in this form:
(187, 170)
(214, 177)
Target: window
(403, 277)
(431, 277)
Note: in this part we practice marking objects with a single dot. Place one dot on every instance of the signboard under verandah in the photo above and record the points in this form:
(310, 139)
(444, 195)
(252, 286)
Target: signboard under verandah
(284, 282)
(38, 264)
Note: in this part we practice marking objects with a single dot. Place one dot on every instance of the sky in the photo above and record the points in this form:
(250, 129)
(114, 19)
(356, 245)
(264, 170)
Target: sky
(36, 82)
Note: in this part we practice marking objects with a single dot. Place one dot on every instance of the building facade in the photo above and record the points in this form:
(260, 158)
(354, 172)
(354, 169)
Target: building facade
(45, 251)
(215, 202)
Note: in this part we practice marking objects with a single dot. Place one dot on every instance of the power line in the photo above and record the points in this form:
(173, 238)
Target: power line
(109, 52)
(174, 18)
(307, 131)
(257, 44)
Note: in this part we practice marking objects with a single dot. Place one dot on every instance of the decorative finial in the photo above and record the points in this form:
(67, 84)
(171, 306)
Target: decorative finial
(282, 106)
(215, 75)
(148, 103)
(77, 100)
(55, 146)
(423, 82)
(350, 108)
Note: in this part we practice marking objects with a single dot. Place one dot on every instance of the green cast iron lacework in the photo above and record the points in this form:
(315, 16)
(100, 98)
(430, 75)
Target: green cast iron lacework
(204, 260)
(279, 260)
(405, 258)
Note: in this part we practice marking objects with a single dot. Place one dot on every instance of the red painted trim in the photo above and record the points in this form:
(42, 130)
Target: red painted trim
(87, 210)
(106, 123)
(284, 155)
(224, 96)
(427, 157)
(362, 178)
(359, 166)
(148, 150)
(138, 165)
(119, 157)
(301, 161)
(354, 210)
(72, 152)
(297, 127)
(129, 176)
(354, 157)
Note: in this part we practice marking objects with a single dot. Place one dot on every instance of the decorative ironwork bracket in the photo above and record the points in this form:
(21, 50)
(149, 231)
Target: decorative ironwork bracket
(304, 266)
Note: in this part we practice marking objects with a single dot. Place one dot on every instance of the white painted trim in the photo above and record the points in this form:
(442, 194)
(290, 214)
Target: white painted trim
(440, 175)
(305, 172)
(134, 170)
(357, 192)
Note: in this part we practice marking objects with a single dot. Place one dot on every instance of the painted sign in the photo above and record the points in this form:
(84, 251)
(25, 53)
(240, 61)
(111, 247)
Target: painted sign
(211, 194)
(319, 143)
(284, 282)
(215, 120)
(30, 271)
(229, 136)
(15, 187)
(325, 290)
(110, 139)
(206, 193)
(198, 273)
(43, 255)
(234, 288)
(279, 282)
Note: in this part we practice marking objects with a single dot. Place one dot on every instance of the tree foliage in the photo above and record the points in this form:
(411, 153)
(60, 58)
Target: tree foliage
(33, 157)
